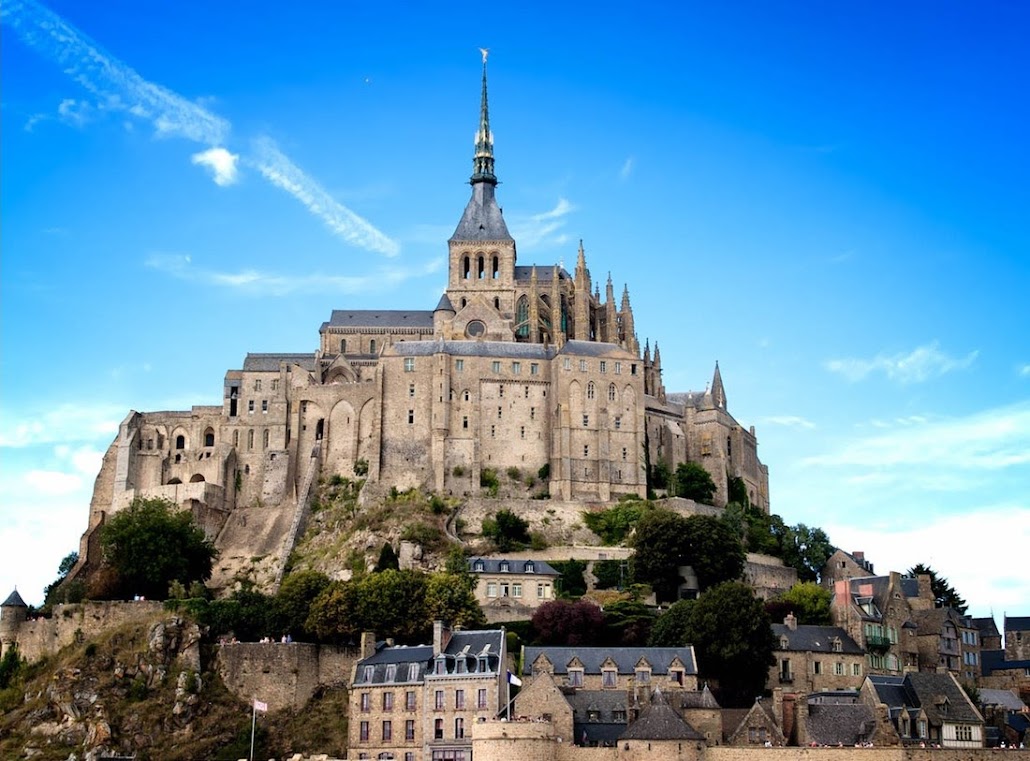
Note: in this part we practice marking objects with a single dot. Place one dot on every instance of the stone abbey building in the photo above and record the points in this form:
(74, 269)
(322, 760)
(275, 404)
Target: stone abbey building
(517, 366)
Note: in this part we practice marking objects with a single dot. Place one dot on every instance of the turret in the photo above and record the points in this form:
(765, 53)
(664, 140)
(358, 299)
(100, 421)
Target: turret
(611, 316)
(13, 611)
(629, 334)
(718, 392)
(581, 326)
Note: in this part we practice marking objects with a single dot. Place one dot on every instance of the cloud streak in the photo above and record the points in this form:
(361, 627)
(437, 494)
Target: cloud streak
(543, 229)
(916, 366)
(284, 174)
(60, 425)
(790, 421)
(117, 87)
(258, 282)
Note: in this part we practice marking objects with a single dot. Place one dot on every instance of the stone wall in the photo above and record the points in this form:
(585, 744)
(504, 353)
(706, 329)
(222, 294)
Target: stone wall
(283, 675)
(45, 636)
(768, 576)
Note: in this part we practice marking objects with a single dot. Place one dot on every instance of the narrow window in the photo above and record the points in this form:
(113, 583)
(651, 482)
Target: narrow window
(618, 368)
(604, 366)
(409, 364)
(411, 390)
(590, 390)
(465, 421)
(586, 450)
(618, 422)
(459, 366)
(343, 346)
(363, 732)
(257, 385)
(250, 406)
(411, 417)
(586, 420)
(264, 442)
(522, 431)
(534, 368)
(372, 346)
(459, 699)
(264, 406)
(495, 366)
(516, 368)
(582, 365)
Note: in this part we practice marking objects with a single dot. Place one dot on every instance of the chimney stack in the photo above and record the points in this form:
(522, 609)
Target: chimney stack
(441, 636)
(791, 621)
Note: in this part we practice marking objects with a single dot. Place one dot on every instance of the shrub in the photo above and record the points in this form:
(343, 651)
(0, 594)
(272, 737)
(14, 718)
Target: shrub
(458, 471)
(508, 530)
(514, 473)
(361, 467)
(537, 541)
(545, 472)
(437, 505)
(488, 480)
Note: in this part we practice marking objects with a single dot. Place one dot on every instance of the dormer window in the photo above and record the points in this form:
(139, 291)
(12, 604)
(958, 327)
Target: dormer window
(575, 677)
(784, 643)
(369, 671)
(412, 672)
(391, 672)
(609, 678)
(504, 566)
(479, 566)
(530, 568)
(837, 645)
(440, 667)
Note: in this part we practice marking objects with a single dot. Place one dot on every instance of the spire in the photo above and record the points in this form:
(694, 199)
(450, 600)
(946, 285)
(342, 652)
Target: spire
(483, 161)
(718, 392)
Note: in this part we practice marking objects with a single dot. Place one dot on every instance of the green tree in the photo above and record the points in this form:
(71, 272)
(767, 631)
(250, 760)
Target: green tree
(660, 546)
(567, 622)
(627, 623)
(661, 475)
(694, 482)
(152, 543)
(57, 591)
(508, 530)
(293, 601)
(614, 524)
(736, 492)
(806, 549)
(391, 604)
(809, 602)
(573, 581)
(731, 635)
(387, 559)
(451, 598)
(944, 595)
(713, 551)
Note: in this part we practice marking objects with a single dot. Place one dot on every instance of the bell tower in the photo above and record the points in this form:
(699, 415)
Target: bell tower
(482, 251)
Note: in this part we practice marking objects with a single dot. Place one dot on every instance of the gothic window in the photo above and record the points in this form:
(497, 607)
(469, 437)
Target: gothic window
(209, 438)
(522, 318)
(372, 346)
(496, 267)
(180, 442)
(611, 392)
(481, 267)
(590, 390)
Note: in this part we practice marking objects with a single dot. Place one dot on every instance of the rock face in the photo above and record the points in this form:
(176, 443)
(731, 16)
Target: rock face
(73, 710)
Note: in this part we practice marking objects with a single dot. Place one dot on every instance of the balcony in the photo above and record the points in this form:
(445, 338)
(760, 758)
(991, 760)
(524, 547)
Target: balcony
(786, 678)
(877, 643)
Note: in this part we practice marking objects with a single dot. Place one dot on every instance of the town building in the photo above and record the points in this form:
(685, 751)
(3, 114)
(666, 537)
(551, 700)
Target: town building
(815, 658)
(512, 589)
(927, 709)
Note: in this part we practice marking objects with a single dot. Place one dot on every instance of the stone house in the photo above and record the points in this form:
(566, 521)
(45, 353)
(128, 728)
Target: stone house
(1017, 638)
(815, 658)
(420, 702)
(844, 565)
(990, 637)
(518, 366)
(759, 726)
(512, 589)
(948, 641)
(929, 709)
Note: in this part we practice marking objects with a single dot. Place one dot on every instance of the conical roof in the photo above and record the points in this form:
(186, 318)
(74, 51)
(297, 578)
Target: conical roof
(660, 721)
(14, 601)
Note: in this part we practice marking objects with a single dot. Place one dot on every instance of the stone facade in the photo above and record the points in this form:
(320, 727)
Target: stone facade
(517, 367)
(815, 658)
(509, 589)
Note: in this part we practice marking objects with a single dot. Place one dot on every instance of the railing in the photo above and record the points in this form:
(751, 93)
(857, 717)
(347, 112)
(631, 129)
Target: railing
(786, 678)
(877, 642)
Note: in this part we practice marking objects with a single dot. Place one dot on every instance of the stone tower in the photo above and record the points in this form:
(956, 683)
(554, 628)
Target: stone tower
(12, 615)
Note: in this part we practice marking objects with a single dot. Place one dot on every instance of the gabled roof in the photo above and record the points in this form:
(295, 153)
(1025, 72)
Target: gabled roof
(625, 658)
(938, 695)
(1001, 698)
(268, 363)
(379, 318)
(14, 601)
(701, 699)
(987, 627)
(493, 565)
(816, 639)
(659, 721)
(1017, 623)
(840, 723)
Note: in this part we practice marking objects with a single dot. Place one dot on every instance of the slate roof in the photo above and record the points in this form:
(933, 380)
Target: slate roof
(702, 699)
(840, 723)
(482, 219)
(14, 601)
(500, 349)
(591, 348)
(604, 729)
(268, 363)
(379, 318)
(994, 660)
(816, 639)
(625, 658)
(987, 627)
(493, 565)
(926, 690)
(659, 721)
(444, 303)
(1017, 623)
(543, 273)
(468, 644)
(1001, 698)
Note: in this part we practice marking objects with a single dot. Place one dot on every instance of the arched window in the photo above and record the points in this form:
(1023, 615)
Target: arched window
(522, 318)
(466, 268)
(611, 392)
(264, 443)
(343, 345)
(372, 346)
(496, 267)
(180, 442)
(250, 439)
(590, 390)
(481, 267)
(497, 304)
(209, 437)
(464, 303)
(196, 478)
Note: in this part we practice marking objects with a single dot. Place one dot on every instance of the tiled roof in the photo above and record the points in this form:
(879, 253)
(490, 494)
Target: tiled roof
(14, 601)
(591, 349)
(816, 639)
(444, 303)
(500, 349)
(1003, 698)
(267, 363)
(659, 721)
(482, 220)
(468, 644)
(380, 318)
(702, 699)
(625, 658)
(493, 565)
(543, 273)
(927, 691)
(840, 723)
(1017, 623)
(987, 627)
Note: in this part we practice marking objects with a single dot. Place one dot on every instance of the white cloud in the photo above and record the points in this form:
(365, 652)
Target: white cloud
(543, 229)
(627, 168)
(116, 86)
(259, 283)
(920, 364)
(981, 551)
(1024, 371)
(62, 424)
(221, 163)
(53, 482)
(343, 222)
(74, 112)
(791, 421)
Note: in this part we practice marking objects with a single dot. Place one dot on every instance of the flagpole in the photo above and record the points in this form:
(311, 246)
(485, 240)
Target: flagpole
(253, 726)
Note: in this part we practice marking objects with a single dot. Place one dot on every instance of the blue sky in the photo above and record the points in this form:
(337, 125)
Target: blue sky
(830, 200)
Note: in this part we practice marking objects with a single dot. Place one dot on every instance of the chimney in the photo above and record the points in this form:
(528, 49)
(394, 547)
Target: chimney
(925, 590)
(368, 645)
(441, 636)
(777, 696)
(801, 719)
(791, 621)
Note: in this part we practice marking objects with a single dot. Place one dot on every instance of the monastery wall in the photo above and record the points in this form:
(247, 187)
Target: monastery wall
(45, 636)
(283, 675)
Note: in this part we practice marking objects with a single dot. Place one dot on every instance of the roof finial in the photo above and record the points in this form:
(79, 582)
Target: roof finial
(483, 161)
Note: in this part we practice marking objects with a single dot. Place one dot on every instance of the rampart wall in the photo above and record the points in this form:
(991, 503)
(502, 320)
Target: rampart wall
(41, 637)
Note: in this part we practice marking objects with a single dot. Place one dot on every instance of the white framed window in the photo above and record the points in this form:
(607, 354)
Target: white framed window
(603, 366)
(582, 365)
(534, 368)
(459, 365)
(491, 589)
(618, 368)
(567, 364)
(495, 366)
(409, 364)
(516, 368)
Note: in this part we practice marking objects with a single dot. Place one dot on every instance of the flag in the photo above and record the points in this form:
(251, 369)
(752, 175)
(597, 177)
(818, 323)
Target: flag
(512, 679)
(259, 706)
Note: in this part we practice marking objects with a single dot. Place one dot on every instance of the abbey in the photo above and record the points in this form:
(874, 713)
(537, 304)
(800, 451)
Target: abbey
(517, 366)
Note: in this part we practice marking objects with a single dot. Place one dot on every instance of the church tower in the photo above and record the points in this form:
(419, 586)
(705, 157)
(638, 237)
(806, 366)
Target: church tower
(482, 252)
